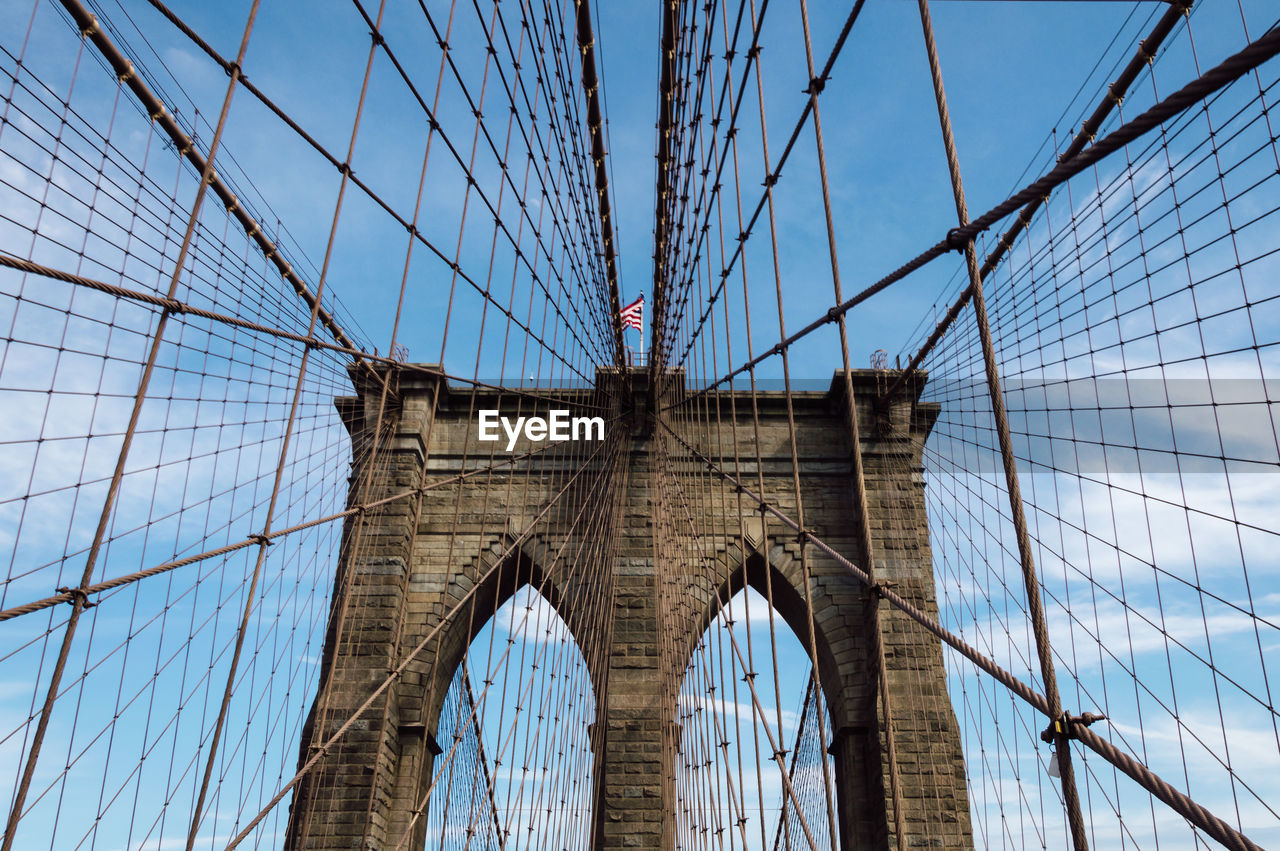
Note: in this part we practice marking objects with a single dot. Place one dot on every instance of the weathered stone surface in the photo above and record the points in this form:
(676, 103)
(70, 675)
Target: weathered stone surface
(462, 549)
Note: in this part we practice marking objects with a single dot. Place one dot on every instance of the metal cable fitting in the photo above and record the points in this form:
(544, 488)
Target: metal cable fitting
(1066, 725)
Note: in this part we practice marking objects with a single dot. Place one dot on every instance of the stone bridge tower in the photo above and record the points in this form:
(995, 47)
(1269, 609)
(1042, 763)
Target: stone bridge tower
(416, 565)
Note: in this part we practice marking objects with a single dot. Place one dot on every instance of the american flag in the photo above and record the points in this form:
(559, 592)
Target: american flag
(632, 315)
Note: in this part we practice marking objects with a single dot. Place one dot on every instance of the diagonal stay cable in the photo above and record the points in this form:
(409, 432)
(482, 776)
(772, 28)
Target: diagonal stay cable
(89, 28)
(816, 85)
(381, 42)
(129, 578)
(126, 73)
(177, 306)
(1136, 770)
(321, 750)
(595, 120)
(345, 167)
(666, 121)
(532, 133)
(1222, 75)
(1145, 53)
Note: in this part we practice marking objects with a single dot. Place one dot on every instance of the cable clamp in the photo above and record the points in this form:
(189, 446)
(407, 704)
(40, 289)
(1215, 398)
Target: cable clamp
(956, 240)
(261, 540)
(1066, 725)
(816, 85)
(879, 588)
(77, 594)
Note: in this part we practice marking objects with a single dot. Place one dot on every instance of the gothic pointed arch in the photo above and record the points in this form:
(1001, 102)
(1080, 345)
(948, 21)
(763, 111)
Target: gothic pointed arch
(751, 720)
(482, 585)
(511, 734)
(777, 576)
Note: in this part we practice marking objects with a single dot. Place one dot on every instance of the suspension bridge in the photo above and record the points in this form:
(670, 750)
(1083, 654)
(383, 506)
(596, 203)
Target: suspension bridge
(344, 507)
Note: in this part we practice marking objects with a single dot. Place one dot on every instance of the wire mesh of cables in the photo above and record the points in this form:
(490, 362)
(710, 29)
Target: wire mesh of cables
(1099, 536)
(1131, 327)
(450, 815)
(752, 474)
(181, 487)
(213, 472)
(806, 776)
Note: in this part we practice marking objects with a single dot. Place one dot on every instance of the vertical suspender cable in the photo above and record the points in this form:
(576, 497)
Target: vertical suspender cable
(1062, 743)
(89, 28)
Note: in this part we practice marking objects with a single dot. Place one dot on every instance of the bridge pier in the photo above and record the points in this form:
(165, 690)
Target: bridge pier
(635, 716)
(412, 561)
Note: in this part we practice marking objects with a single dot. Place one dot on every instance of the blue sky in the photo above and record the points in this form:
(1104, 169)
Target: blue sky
(1011, 70)
(1019, 76)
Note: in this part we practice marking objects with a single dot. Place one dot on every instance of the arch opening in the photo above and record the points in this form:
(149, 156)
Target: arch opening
(514, 761)
(752, 763)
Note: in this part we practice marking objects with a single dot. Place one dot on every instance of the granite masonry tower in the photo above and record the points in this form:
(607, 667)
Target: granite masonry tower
(362, 795)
